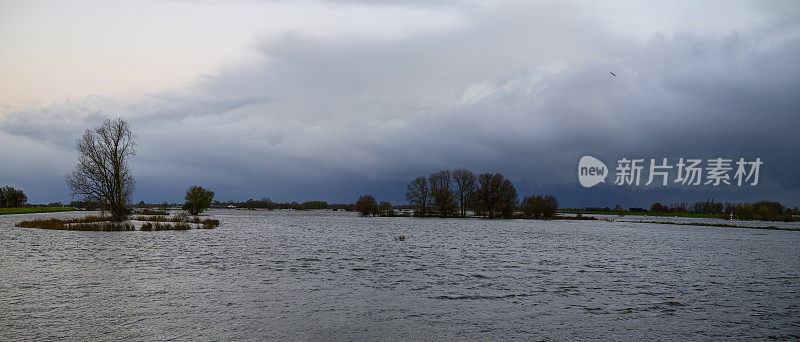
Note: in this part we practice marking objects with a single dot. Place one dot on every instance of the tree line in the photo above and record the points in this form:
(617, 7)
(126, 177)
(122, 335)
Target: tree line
(460, 193)
(12, 198)
(764, 210)
(761, 210)
(266, 203)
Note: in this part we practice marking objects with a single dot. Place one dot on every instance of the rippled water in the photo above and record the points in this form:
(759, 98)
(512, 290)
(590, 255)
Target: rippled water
(334, 276)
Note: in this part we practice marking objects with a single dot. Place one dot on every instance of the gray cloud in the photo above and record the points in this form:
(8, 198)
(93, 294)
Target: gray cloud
(524, 90)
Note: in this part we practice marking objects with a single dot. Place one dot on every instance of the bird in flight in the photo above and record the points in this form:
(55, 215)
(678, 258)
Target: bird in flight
(612, 74)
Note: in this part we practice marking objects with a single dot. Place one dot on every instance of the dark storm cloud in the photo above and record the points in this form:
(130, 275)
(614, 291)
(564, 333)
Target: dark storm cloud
(524, 91)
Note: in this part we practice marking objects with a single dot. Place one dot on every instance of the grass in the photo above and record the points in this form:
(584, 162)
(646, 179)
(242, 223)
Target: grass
(34, 210)
(724, 225)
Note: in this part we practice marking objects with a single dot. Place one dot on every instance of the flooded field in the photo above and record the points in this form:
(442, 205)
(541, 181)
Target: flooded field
(321, 275)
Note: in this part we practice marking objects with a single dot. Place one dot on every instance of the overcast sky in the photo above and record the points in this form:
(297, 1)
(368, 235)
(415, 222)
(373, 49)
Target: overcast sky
(326, 100)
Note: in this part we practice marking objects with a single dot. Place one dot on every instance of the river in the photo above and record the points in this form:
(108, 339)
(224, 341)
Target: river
(321, 275)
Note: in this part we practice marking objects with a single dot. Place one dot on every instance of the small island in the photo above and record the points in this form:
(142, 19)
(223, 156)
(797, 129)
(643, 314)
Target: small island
(103, 176)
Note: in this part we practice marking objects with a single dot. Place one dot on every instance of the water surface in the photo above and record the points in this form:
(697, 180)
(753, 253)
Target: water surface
(320, 275)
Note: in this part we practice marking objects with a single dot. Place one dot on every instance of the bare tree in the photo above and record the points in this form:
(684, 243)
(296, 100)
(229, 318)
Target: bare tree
(442, 193)
(550, 207)
(386, 209)
(466, 184)
(102, 173)
(366, 205)
(417, 195)
(534, 206)
(12, 198)
(497, 195)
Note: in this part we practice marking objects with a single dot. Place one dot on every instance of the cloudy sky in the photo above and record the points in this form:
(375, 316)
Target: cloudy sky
(306, 100)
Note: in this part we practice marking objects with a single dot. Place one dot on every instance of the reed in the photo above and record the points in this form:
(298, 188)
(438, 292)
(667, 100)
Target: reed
(89, 223)
(102, 223)
(159, 226)
(206, 223)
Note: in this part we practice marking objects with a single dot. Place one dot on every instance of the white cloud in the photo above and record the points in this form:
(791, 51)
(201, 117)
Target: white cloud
(519, 88)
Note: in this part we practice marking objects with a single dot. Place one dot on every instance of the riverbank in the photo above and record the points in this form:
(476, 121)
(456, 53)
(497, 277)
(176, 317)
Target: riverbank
(628, 213)
(35, 210)
(722, 225)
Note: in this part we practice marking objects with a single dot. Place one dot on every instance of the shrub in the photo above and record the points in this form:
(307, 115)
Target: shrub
(367, 205)
(198, 200)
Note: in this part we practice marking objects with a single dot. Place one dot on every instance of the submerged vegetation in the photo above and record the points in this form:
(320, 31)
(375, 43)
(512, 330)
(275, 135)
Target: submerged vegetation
(103, 223)
(87, 223)
(150, 226)
(206, 223)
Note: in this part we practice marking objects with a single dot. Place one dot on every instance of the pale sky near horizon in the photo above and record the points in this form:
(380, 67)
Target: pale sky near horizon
(342, 92)
(53, 51)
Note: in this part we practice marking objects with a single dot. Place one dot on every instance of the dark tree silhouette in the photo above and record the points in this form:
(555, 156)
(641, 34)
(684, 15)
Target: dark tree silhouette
(496, 195)
(442, 193)
(550, 207)
(102, 173)
(657, 208)
(533, 206)
(366, 205)
(466, 184)
(198, 200)
(418, 195)
(386, 209)
(12, 198)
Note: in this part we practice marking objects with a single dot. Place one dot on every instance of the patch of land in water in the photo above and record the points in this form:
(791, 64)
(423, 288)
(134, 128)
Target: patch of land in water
(102, 223)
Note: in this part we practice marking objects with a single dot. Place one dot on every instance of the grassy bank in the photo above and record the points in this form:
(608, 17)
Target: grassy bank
(34, 210)
(723, 225)
(589, 212)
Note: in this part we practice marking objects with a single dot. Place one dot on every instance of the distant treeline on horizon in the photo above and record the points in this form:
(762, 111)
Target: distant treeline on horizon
(761, 210)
